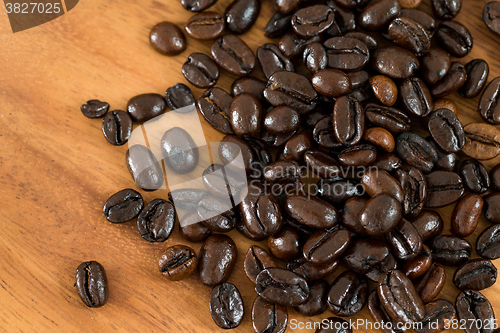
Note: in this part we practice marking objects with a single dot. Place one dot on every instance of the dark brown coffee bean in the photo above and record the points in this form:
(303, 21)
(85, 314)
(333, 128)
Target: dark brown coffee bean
(482, 141)
(388, 162)
(144, 107)
(200, 70)
(187, 198)
(240, 15)
(178, 262)
(205, 26)
(419, 265)
(179, 150)
(434, 65)
(453, 81)
(378, 14)
(446, 9)
(492, 208)
(446, 130)
(278, 25)
(157, 220)
(431, 283)
(256, 260)
(317, 302)
(215, 250)
(191, 229)
(348, 294)
(268, 317)
(416, 151)
(221, 182)
(444, 188)
(272, 60)
(477, 77)
(489, 107)
(358, 156)
(381, 138)
(311, 211)
(281, 120)
(94, 109)
(280, 286)
(395, 62)
(450, 250)
(381, 214)
(488, 243)
(404, 241)
(92, 284)
(197, 5)
(429, 224)
(344, 20)
(331, 83)
(384, 89)
(226, 306)
(368, 40)
(379, 315)
(144, 168)
(287, 6)
(446, 161)
(283, 172)
(233, 55)
(338, 190)
(326, 245)
(291, 89)
(491, 12)
(315, 57)
(455, 38)
(249, 85)
(409, 34)
(312, 21)
(424, 19)
(346, 53)
(379, 181)
(438, 316)
(324, 133)
(350, 215)
(475, 176)
(167, 38)
(414, 187)
(217, 214)
(284, 244)
(495, 178)
(476, 274)
(416, 97)
(178, 97)
(246, 115)
(348, 121)
(214, 105)
(309, 271)
(392, 119)
(117, 127)
(475, 310)
(296, 147)
(466, 215)
(322, 164)
(293, 45)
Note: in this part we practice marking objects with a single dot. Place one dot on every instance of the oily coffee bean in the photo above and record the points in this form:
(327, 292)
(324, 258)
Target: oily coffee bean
(466, 215)
(381, 214)
(243, 230)
(368, 40)
(144, 107)
(214, 105)
(311, 211)
(339, 190)
(404, 241)
(358, 156)
(476, 274)
(491, 13)
(414, 187)
(179, 96)
(331, 82)
(249, 85)
(216, 259)
(179, 150)
(446, 161)
(346, 53)
(293, 45)
(492, 208)
(384, 89)
(187, 198)
(276, 140)
(348, 294)
(197, 5)
(482, 141)
(379, 315)
(283, 287)
(322, 164)
(379, 181)
(424, 19)
(287, 6)
(144, 168)
(304, 231)
(94, 109)
(446, 9)
(117, 127)
(348, 121)
(278, 25)
(282, 120)
(226, 306)
(395, 62)
(167, 38)
(419, 265)
(324, 133)
(431, 283)
(309, 271)
(388, 162)
(477, 77)
(256, 260)
(177, 262)
(489, 107)
(222, 182)
(381, 138)
(455, 38)
(233, 55)
(446, 130)
(409, 34)
(315, 57)
(157, 220)
(495, 178)
(313, 20)
(217, 214)
(446, 103)
(475, 176)
(438, 315)
(488, 243)
(201, 71)
(326, 245)
(416, 97)
(317, 302)
(191, 229)
(453, 81)
(416, 151)
(429, 224)
(92, 284)
(246, 115)
(285, 244)
(444, 188)
(205, 26)
(450, 250)
(268, 317)
(434, 65)
(473, 307)
(283, 172)
(378, 14)
(296, 147)
(392, 119)
(350, 215)
(272, 60)
(399, 297)
(291, 89)
(344, 20)
(240, 15)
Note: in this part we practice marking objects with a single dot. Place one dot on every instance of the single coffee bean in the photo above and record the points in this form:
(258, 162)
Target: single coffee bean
(167, 38)
(317, 302)
(283, 287)
(379, 315)
(404, 241)
(177, 262)
(473, 307)
(453, 81)
(217, 214)
(315, 57)
(249, 85)
(282, 120)
(240, 15)
(488, 243)
(385, 89)
(388, 162)
(482, 141)
(438, 315)
(311, 211)
(424, 19)
(416, 151)
(214, 105)
(324, 131)
(205, 26)
(179, 96)
(446, 9)
(268, 317)
(243, 230)
(201, 71)
(368, 40)
(476, 274)
(246, 115)
(429, 224)
(495, 178)
(414, 187)
(346, 53)
(431, 283)
(291, 89)
(446, 103)
(348, 121)
(179, 150)
(378, 14)
(256, 260)
(409, 34)
(446, 161)
(326, 245)
(450, 250)
(192, 230)
(272, 60)
(331, 82)
(477, 77)
(444, 188)
(187, 198)
(322, 164)
(92, 284)
(339, 190)
(226, 306)
(350, 215)
(492, 208)
(348, 294)
(344, 20)
(216, 259)
(395, 62)
(379, 181)
(309, 271)
(446, 130)
(434, 65)
(94, 109)
(197, 5)
(233, 54)
(466, 215)
(491, 12)
(381, 214)
(475, 176)
(278, 25)
(284, 244)
(144, 107)
(117, 127)
(392, 119)
(416, 97)
(293, 45)
(381, 138)
(283, 172)
(361, 155)
(157, 220)
(489, 107)
(312, 21)
(296, 147)
(144, 168)
(287, 6)
(455, 38)
(419, 265)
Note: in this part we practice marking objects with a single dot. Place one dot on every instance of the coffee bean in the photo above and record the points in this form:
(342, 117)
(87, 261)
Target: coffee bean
(284, 244)
(317, 302)
(446, 130)
(315, 57)
(348, 121)
(276, 140)
(187, 198)
(482, 141)
(358, 156)
(350, 215)
(178, 262)
(404, 241)
(291, 89)
(392, 119)
(453, 81)
(368, 40)
(326, 245)
(191, 229)
(444, 188)
(488, 105)
(179, 150)
(429, 224)
(395, 62)
(157, 220)
(410, 3)
(226, 306)
(409, 34)
(283, 287)
(246, 115)
(309, 271)
(379, 181)
(416, 151)
(450, 250)
(381, 214)
(249, 85)
(455, 38)
(434, 65)
(142, 108)
(233, 55)
(446, 161)
(256, 155)
(272, 60)
(322, 164)
(381, 138)
(438, 315)
(491, 13)
(287, 6)
(197, 5)
(466, 215)
(331, 82)
(446, 103)
(419, 265)
(312, 21)
(424, 19)
(92, 284)
(477, 77)
(473, 307)
(200, 71)
(268, 317)
(344, 19)
(144, 168)
(217, 214)
(488, 243)
(348, 294)
(492, 208)
(167, 38)
(296, 147)
(431, 283)
(117, 127)
(385, 89)
(293, 45)
(416, 97)
(283, 172)
(475, 176)
(205, 26)
(324, 133)
(388, 162)
(221, 182)
(256, 260)
(360, 86)
(414, 187)
(446, 9)
(240, 15)
(216, 259)
(476, 274)
(311, 211)
(378, 14)
(94, 109)
(180, 96)
(278, 25)
(214, 105)
(381, 316)
(346, 53)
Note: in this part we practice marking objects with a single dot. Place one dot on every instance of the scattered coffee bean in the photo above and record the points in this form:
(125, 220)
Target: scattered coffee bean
(177, 262)
(205, 26)
(179, 96)
(123, 206)
(179, 150)
(450, 250)
(431, 283)
(201, 71)
(477, 77)
(216, 259)
(167, 38)
(157, 220)
(256, 260)
(473, 307)
(489, 107)
(226, 306)
(482, 141)
(233, 55)
(94, 109)
(491, 13)
(144, 107)
(446, 9)
(92, 284)
(268, 317)
(444, 188)
(117, 127)
(283, 287)
(455, 38)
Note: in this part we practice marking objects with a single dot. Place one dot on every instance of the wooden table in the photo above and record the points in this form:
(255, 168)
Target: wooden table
(56, 171)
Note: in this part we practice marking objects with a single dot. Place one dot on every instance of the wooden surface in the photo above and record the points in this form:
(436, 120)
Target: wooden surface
(56, 171)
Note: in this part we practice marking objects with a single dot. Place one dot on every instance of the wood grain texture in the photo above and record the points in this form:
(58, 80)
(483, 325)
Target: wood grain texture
(56, 171)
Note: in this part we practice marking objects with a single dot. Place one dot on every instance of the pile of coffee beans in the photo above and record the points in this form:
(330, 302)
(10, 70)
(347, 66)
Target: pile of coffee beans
(352, 95)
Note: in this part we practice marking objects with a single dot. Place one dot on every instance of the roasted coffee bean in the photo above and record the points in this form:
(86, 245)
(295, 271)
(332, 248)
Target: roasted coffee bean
(477, 77)
(434, 65)
(495, 178)
(246, 115)
(322, 164)
(197, 5)
(395, 62)
(92, 284)
(344, 20)
(191, 229)
(446, 103)
(492, 208)
(453, 81)
(276, 140)
(240, 15)
(226, 306)
(205, 26)
(94, 109)
(361, 155)
(217, 214)
(444, 188)
(255, 154)
(385, 89)
(409, 34)
(381, 138)
(256, 260)
(291, 89)
(368, 40)
(378, 14)
(476, 274)
(272, 60)
(455, 38)
(378, 313)
(446, 130)
(144, 168)
(489, 107)
(287, 6)
(201, 71)
(179, 150)
(324, 132)
(326, 245)
(376, 181)
(360, 86)
(350, 215)
(221, 182)
(283, 287)
(331, 83)
(404, 241)
(144, 107)
(346, 53)
(348, 294)
(450, 250)
(416, 151)
(117, 127)
(414, 187)
(311, 211)
(268, 317)
(431, 283)
(491, 12)
(249, 85)
(429, 224)
(482, 141)
(388, 162)
(296, 147)
(488, 243)
(438, 315)
(283, 172)
(167, 38)
(419, 265)
(293, 45)
(278, 25)
(282, 120)
(317, 302)
(312, 21)
(339, 190)
(446, 161)
(187, 198)
(392, 119)
(315, 57)
(243, 230)
(214, 105)
(348, 121)
(424, 19)
(177, 262)
(216, 259)
(180, 96)
(309, 271)
(446, 9)
(381, 214)
(475, 176)
(284, 244)
(233, 55)
(416, 97)
(473, 307)
(157, 220)
(399, 297)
